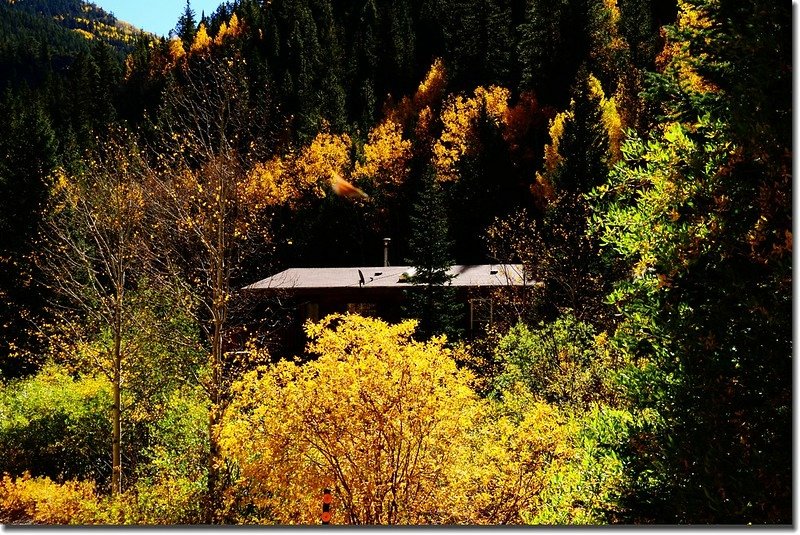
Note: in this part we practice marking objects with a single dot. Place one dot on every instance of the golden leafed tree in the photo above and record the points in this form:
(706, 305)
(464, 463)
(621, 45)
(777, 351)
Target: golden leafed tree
(92, 249)
(207, 211)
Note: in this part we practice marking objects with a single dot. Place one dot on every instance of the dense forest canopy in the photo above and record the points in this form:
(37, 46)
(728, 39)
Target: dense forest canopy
(633, 155)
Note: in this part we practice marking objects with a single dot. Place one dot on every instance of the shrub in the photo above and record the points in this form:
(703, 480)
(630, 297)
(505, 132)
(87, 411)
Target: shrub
(392, 427)
(27, 500)
(56, 425)
(562, 362)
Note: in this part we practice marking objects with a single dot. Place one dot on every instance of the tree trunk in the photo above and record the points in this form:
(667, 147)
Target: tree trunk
(116, 435)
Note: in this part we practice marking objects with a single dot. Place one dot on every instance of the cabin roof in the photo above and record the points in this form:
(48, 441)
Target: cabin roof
(388, 277)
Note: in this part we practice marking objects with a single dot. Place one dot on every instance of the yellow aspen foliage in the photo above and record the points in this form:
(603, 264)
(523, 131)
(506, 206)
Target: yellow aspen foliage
(542, 188)
(551, 155)
(231, 29)
(677, 56)
(511, 464)
(613, 10)
(458, 118)
(389, 424)
(234, 28)
(201, 40)
(374, 418)
(176, 50)
(386, 155)
(223, 30)
(611, 118)
(83, 33)
(423, 129)
(327, 154)
(269, 184)
(495, 100)
(284, 180)
(429, 93)
(432, 87)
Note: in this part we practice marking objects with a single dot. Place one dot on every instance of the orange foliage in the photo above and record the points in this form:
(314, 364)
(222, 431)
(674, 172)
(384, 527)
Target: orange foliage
(429, 93)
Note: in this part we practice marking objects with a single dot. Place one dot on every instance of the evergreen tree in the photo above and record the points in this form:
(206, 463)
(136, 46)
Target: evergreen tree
(552, 45)
(568, 259)
(28, 155)
(486, 188)
(186, 28)
(432, 301)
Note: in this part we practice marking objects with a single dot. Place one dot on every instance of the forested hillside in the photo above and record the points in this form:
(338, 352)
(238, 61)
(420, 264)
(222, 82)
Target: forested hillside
(633, 155)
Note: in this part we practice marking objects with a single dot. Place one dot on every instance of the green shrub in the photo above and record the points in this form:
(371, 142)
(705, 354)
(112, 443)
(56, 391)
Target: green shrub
(56, 425)
(563, 362)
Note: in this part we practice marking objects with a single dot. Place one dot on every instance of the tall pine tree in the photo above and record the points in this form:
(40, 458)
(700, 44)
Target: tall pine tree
(432, 300)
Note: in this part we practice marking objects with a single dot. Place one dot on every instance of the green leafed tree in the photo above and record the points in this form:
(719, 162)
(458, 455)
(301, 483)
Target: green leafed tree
(700, 211)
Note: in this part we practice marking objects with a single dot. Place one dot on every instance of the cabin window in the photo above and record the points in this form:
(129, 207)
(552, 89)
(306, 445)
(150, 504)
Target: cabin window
(480, 315)
(368, 310)
(311, 312)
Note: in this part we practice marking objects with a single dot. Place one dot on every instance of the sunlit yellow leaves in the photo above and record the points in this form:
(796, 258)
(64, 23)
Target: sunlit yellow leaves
(327, 154)
(228, 30)
(386, 155)
(428, 95)
(285, 180)
(268, 184)
(201, 40)
(552, 156)
(676, 55)
(42, 501)
(372, 418)
(459, 116)
(610, 117)
(176, 50)
(392, 426)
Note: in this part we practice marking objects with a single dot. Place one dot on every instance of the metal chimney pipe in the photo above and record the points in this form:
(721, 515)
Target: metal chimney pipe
(386, 251)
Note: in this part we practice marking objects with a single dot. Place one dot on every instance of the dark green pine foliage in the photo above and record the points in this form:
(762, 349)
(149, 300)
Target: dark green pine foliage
(637, 23)
(478, 40)
(28, 154)
(186, 28)
(432, 301)
(295, 56)
(498, 42)
(398, 75)
(552, 44)
(333, 103)
(488, 187)
(583, 144)
(569, 263)
(364, 63)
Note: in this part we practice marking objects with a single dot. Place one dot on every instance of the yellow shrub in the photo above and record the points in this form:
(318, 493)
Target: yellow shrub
(42, 501)
(391, 426)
